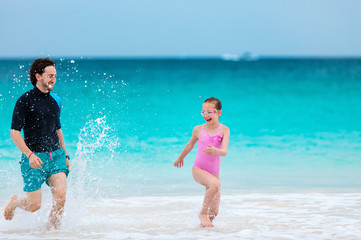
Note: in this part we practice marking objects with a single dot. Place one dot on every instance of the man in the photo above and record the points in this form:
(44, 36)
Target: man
(44, 157)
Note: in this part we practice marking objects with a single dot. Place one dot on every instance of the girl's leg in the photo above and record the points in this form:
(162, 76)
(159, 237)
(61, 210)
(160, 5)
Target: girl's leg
(213, 187)
(213, 208)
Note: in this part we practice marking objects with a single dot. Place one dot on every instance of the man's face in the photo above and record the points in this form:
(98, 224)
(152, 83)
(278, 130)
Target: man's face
(48, 78)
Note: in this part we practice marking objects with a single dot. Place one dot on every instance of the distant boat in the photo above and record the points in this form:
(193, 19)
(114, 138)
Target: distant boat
(247, 56)
(230, 57)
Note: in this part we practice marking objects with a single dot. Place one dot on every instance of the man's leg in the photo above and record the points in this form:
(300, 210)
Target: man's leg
(31, 203)
(57, 183)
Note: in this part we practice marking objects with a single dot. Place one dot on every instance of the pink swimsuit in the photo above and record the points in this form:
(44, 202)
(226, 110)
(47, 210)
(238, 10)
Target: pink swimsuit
(209, 163)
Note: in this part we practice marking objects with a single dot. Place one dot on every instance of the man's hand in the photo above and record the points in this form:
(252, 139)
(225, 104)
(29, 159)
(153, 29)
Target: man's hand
(34, 161)
(67, 163)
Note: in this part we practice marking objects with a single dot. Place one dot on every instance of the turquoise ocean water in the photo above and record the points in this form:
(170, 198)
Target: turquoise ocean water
(295, 125)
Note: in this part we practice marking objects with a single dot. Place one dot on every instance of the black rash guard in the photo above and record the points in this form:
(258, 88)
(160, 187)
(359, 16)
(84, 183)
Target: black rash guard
(38, 114)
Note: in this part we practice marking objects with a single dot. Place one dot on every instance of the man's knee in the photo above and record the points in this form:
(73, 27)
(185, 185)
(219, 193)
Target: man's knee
(34, 206)
(60, 200)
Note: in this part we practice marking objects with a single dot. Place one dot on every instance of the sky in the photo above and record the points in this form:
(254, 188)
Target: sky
(179, 28)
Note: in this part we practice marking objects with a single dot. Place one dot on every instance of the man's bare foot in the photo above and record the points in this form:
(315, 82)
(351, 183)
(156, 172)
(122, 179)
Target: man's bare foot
(53, 224)
(205, 220)
(10, 208)
(51, 227)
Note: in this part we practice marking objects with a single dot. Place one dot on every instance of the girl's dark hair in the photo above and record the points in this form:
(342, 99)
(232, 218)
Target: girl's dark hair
(38, 66)
(216, 102)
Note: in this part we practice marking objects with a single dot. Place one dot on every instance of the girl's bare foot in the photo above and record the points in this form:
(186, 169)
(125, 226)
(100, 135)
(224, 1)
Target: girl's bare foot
(10, 208)
(212, 217)
(205, 220)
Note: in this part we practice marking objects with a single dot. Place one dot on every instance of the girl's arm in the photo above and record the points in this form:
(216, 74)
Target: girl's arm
(189, 146)
(210, 150)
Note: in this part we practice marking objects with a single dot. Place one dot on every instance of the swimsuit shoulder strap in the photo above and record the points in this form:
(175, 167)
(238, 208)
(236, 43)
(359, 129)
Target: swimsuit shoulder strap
(220, 130)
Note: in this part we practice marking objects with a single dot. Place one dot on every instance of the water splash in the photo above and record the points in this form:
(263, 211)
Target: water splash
(96, 146)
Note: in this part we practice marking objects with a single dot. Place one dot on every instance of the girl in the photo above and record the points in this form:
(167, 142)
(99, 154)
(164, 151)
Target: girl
(213, 142)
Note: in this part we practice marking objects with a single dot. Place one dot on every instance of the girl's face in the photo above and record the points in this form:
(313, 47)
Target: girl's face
(210, 112)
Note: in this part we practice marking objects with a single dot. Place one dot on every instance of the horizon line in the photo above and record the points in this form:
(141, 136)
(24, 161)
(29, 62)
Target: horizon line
(224, 57)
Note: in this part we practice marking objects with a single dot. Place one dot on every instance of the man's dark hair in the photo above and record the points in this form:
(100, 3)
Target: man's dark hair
(38, 66)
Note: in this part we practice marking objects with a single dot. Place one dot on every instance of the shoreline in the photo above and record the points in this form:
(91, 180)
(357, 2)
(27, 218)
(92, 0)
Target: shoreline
(252, 216)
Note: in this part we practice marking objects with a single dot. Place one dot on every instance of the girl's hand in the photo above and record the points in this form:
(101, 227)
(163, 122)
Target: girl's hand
(179, 163)
(210, 150)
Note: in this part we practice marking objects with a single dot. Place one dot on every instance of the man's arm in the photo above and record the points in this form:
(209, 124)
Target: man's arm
(34, 161)
(19, 142)
(62, 144)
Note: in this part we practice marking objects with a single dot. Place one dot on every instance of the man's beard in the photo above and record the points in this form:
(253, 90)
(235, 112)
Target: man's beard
(48, 87)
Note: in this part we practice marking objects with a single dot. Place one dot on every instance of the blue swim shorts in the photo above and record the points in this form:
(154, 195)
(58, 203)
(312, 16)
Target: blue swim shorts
(53, 163)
